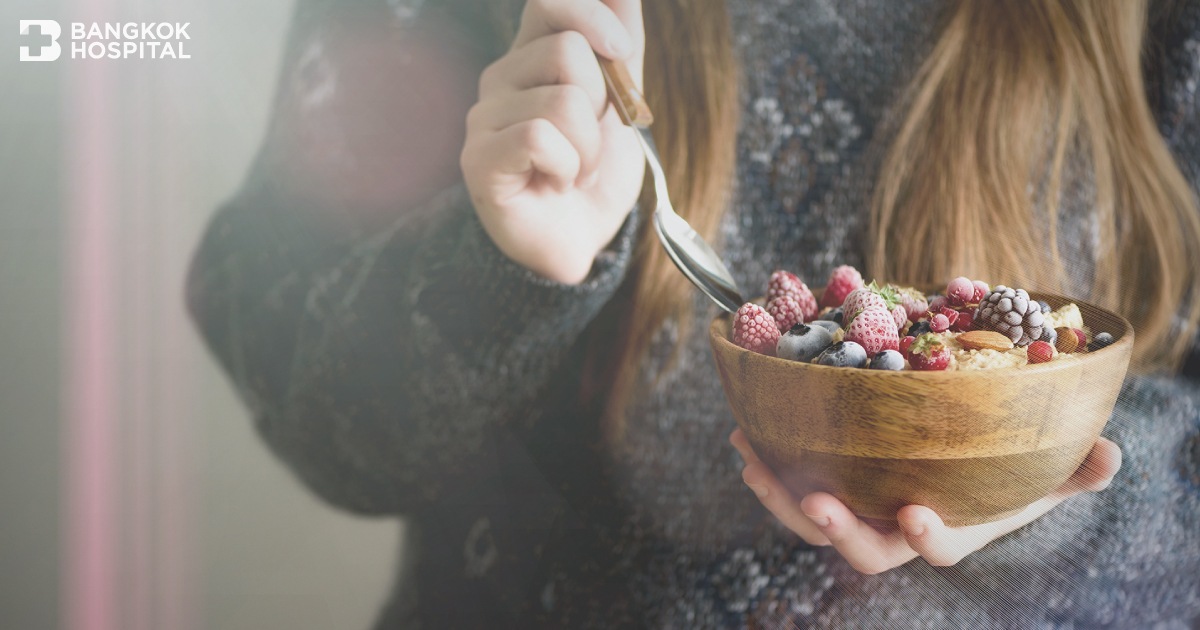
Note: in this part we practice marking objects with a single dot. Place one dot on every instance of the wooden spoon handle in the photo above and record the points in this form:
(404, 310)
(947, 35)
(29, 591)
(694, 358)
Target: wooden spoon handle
(625, 96)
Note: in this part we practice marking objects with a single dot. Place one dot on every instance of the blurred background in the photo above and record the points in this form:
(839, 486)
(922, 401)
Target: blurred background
(133, 491)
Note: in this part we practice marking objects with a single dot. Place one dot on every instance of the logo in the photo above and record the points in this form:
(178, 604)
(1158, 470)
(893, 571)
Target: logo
(110, 40)
(37, 32)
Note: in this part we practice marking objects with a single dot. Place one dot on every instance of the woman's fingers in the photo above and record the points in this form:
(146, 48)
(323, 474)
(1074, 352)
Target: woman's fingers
(739, 441)
(865, 548)
(595, 20)
(1096, 472)
(557, 59)
(780, 502)
(565, 106)
(505, 160)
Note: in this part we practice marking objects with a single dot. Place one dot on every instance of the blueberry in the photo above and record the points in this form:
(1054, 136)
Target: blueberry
(1103, 340)
(843, 354)
(919, 328)
(802, 343)
(1044, 306)
(831, 326)
(833, 315)
(887, 360)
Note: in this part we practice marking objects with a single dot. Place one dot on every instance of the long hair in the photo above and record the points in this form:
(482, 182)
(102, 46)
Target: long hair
(1010, 94)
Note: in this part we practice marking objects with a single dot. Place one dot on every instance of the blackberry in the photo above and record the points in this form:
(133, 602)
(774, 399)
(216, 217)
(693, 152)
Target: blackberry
(1011, 313)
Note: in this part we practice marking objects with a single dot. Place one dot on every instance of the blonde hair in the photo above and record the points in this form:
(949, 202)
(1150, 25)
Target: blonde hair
(1009, 92)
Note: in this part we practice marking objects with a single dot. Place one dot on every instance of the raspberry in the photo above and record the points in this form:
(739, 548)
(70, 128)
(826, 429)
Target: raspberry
(786, 312)
(755, 330)
(1040, 352)
(965, 318)
(928, 353)
(981, 291)
(875, 330)
(914, 302)
(786, 283)
(841, 282)
(960, 291)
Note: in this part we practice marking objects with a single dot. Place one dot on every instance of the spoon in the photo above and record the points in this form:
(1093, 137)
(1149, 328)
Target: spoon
(690, 253)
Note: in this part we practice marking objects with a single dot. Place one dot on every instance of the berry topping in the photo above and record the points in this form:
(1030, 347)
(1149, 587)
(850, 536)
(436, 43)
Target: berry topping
(843, 354)
(1012, 313)
(920, 328)
(832, 327)
(1040, 352)
(841, 282)
(887, 360)
(928, 353)
(834, 315)
(874, 329)
(786, 312)
(755, 330)
(960, 291)
(803, 342)
(940, 323)
(914, 302)
(981, 291)
(1103, 340)
(784, 283)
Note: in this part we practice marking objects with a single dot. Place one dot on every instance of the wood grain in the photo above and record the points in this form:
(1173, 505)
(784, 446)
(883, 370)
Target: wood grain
(977, 444)
(624, 94)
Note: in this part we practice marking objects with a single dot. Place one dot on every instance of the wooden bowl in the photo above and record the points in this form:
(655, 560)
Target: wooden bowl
(973, 446)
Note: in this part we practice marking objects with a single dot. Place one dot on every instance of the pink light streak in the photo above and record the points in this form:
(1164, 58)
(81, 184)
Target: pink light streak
(91, 513)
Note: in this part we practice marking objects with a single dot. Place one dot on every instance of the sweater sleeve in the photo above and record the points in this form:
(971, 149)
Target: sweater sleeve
(378, 359)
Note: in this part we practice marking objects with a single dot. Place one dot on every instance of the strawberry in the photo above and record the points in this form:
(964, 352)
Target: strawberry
(786, 312)
(841, 282)
(786, 283)
(928, 353)
(872, 295)
(755, 330)
(900, 314)
(874, 329)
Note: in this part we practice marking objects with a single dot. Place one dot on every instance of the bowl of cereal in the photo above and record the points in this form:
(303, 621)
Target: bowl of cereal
(993, 430)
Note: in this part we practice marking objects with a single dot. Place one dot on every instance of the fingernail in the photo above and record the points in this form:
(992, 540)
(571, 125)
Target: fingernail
(913, 528)
(619, 45)
(761, 491)
(821, 521)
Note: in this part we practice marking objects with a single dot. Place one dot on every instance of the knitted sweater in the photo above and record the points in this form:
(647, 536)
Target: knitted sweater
(405, 366)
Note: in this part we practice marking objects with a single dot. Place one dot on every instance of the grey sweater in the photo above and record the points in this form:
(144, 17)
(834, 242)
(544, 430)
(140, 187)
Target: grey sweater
(408, 367)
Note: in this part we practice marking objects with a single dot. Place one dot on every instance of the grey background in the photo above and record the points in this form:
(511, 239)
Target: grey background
(262, 553)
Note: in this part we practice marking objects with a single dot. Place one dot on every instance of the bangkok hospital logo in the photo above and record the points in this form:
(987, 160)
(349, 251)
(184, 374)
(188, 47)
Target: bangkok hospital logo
(129, 40)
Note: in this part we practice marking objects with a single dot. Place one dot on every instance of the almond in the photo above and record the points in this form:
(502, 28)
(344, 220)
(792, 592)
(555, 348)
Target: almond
(1067, 341)
(985, 340)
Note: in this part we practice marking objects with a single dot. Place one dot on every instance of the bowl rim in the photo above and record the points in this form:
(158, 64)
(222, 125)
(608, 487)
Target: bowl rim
(721, 325)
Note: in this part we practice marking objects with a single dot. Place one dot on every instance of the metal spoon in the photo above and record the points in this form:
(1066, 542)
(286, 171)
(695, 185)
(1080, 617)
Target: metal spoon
(685, 247)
